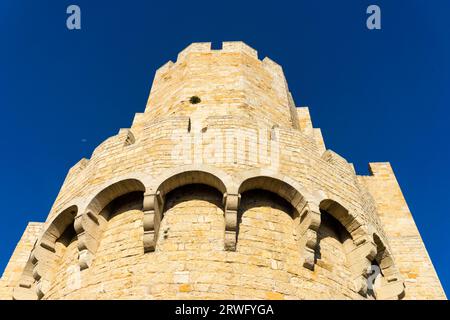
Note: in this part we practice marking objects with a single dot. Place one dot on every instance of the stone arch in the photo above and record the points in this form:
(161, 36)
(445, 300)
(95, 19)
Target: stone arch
(26, 288)
(304, 202)
(181, 176)
(190, 174)
(112, 189)
(278, 186)
(361, 253)
(89, 223)
(333, 252)
(202, 206)
(268, 229)
(43, 256)
(391, 285)
(348, 220)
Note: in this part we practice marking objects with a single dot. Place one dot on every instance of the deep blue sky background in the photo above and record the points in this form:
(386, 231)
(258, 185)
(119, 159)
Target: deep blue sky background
(377, 95)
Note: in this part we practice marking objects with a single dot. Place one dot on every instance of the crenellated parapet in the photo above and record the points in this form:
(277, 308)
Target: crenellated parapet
(239, 78)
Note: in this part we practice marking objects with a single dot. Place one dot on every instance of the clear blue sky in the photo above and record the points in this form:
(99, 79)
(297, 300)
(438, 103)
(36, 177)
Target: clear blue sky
(377, 95)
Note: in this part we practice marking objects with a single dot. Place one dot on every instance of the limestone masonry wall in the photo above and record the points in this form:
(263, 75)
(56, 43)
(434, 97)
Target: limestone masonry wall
(221, 189)
(411, 257)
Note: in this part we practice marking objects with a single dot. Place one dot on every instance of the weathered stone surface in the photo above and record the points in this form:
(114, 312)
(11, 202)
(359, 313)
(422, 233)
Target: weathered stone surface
(231, 195)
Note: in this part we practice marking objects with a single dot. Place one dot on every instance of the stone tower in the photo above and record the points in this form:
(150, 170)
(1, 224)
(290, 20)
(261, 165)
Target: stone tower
(222, 189)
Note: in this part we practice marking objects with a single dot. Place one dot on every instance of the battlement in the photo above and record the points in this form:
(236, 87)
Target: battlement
(227, 47)
(229, 80)
(381, 169)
